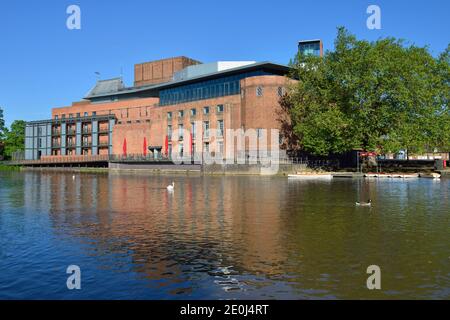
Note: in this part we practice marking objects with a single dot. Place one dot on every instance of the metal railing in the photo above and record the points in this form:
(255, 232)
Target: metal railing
(312, 163)
(139, 157)
(65, 159)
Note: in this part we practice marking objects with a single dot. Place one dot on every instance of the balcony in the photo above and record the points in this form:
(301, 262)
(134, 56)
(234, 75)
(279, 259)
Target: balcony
(56, 132)
(103, 130)
(56, 145)
(86, 131)
(87, 144)
(71, 145)
(103, 144)
(71, 132)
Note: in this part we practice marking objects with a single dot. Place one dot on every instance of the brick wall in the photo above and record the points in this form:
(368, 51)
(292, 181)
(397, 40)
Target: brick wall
(160, 71)
(139, 118)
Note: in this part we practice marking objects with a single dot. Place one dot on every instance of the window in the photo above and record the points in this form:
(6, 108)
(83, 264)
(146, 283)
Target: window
(40, 131)
(169, 115)
(85, 114)
(206, 147)
(70, 115)
(280, 91)
(180, 132)
(193, 130)
(229, 85)
(94, 113)
(56, 117)
(63, 116)
(205, 110)
(220, 128)
(259, 132)
(206, 129)
(40, 143)
(220, 147)
(181, 113)
(193, 112)
(169, 131)
(78, 115)
(220, 108)
(259, 91)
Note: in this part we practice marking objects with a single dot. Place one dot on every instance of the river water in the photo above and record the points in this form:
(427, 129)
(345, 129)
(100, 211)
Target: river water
(221, 237)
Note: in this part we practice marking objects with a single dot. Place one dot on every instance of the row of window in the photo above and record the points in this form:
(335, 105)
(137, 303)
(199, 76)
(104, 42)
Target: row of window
(220, 130)
(78, 115)
(193, 112)
(219, 148)
(206, 89)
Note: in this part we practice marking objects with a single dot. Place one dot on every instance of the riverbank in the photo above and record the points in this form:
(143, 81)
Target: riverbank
(231, 170)
(212, 169)
(4, 167)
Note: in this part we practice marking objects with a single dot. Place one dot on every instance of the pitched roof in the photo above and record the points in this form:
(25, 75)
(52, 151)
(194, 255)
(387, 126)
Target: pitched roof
(106, 87)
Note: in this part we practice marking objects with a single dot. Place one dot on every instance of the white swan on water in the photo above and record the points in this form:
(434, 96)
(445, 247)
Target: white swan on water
(364, 204)
(171, 186)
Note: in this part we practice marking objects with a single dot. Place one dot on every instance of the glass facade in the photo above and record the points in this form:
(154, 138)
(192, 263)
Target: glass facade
(206, 89)
(309, 48)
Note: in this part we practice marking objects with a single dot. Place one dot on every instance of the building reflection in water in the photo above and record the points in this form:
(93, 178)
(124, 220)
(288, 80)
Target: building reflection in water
(196, 232)
(264, 237)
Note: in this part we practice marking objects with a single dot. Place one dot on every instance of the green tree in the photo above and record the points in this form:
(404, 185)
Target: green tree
(380, 95)
(15, 138)
(3, 131)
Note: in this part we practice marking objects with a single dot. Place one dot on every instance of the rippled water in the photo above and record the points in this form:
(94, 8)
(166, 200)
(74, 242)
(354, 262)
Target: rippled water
(221, 237)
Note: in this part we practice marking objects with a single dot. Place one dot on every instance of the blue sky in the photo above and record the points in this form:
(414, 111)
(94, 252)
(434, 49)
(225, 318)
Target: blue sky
(45, 65)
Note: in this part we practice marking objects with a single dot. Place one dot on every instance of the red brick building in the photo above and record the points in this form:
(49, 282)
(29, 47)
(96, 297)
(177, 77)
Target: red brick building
(170, 94)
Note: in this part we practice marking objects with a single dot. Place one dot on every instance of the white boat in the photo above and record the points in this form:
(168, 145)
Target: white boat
(432, 175)
(311, 176)
(412, 175)
(394, 175)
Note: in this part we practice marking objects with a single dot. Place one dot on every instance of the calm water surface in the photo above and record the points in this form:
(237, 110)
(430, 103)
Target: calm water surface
(221, 237)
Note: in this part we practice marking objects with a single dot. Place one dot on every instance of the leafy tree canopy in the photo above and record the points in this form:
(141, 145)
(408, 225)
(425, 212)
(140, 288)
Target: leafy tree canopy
(3, 129)
(15, 138)
(380, 96)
